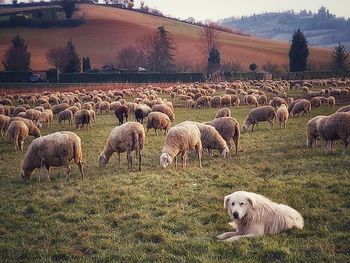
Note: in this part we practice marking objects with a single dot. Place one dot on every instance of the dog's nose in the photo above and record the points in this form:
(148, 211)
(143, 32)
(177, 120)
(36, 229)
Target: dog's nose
(235, 215)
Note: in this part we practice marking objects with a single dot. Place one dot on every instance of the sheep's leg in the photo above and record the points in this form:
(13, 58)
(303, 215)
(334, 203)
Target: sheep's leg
(199, 153)
(22, 143)
(183, 159)
(210, 154)
(118, 162)
(69, 169)
(253, 126)
(346, 146)
(80, 166)
(47, 173)
(128, 156)
(175, 158)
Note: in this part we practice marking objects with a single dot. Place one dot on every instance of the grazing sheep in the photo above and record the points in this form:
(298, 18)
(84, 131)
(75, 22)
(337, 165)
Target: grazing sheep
(18, 131)
(291, 105)
(302, 105)
(335, 127)
(104, 107)
(158, 120)
(141, 112)
(228, 128)
(262, 100)
(45, 117)
(92, 116)
(282, 115)
(224, 112)
(311, 131)
(252, 100)
(344, 109)
(58, 108)
(181, 139)
(226, 100)
(82, 118)
(33, 115)
(4, 122)
(165, 109)
(53, 150)
(67, 114)
(331, 101)
(212, 140)
(215, 102)
(17, 110)
(33, 129)
(277, 101)
(127, 137)
(259, 114)
(202, 102)
(235, 101)
(315, 102)
(122, 112)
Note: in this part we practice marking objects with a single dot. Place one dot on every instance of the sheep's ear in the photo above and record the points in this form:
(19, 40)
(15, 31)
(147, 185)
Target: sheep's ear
(252, 201)
(226, 199)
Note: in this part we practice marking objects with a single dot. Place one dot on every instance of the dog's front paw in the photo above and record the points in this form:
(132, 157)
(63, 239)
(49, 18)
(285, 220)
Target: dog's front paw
(224, 236)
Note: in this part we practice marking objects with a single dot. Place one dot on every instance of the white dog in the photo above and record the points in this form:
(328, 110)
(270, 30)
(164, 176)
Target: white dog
(256, 215)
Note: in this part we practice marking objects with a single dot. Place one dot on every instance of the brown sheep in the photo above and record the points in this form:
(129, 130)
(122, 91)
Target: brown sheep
(164, 109)
(259, 114)
(158, 120)
(224, 112)
(302, 105)
(18, 132)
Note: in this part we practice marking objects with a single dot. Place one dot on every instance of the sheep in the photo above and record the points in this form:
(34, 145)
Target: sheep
(212, 140)
(235, 101)
(33, 115)
(59, 107)
(158, 120)
(122, 112)
(181, 139)
(315, 102)
(165, 109)
(4, 121)
(262, 100)
(141, 112)
(224, 112)
(291, 105)
(215, 102)
(33, 129)
(202, 102)
(252, 100)
(331, 101)
(259, 114)
(226, 100)
(311, 131)
(277, 101)
(127, 137)
(18, 131)
(302, 105)
(344, 109)
(67, 114)
(92, 116)
(82, 118)
(45, 117)
(282, 115)
(53, 150)
(334, 127)
(17, 110)
(104, 107)
(228, 128)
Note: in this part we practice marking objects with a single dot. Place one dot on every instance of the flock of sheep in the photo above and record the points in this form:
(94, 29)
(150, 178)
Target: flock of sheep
(34, 111)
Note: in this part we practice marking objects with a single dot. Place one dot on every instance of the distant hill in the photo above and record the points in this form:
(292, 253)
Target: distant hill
(107, 30)
(321, 28)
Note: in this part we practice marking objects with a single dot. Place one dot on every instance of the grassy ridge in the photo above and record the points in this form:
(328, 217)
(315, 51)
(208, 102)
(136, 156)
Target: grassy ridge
(174, 215)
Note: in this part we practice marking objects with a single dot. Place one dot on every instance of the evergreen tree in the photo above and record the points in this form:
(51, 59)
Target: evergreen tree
(17, 57)
(74, 61)
(86, 64)
(253, 67)
(340, 58)
(68, 8)
(298, 52)
(213, 60)
(166, 50)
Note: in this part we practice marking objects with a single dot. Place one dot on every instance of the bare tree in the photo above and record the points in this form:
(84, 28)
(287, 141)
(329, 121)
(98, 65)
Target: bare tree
(58, 57)
(130, 58)
(209, 38)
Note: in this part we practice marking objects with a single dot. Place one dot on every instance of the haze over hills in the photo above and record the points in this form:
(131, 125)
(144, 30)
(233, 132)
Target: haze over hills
(321, 28)
(107, 30)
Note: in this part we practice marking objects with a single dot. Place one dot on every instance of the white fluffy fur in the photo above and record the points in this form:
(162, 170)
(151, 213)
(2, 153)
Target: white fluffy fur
(256, 215)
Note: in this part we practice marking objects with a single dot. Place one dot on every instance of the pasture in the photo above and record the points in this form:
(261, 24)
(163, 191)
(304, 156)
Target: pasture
(174, 215)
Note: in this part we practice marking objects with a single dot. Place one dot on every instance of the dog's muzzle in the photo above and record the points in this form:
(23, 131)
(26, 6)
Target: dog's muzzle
(235, 215)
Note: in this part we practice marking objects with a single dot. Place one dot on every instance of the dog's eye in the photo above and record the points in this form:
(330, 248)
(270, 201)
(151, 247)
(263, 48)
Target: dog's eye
(233, 203)
(241, 204)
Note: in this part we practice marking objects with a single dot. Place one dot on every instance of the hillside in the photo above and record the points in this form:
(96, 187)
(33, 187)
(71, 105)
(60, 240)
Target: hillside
(108, 30)
(321, 28)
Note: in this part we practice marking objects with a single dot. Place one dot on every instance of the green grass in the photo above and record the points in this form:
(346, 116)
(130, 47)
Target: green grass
(175, 215)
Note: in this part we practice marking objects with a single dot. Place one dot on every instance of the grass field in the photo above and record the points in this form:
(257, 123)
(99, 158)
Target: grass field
(174, 215)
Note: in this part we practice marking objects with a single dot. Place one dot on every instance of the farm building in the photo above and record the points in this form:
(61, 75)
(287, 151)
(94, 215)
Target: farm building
(123, 3)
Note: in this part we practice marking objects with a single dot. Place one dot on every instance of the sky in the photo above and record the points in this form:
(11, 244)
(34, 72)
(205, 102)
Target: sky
(218, 9)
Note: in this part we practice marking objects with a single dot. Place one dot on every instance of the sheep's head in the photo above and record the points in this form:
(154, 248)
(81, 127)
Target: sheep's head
(165, 160)
(102, 160)
(225, 152)
(25, 174)
(246, 125)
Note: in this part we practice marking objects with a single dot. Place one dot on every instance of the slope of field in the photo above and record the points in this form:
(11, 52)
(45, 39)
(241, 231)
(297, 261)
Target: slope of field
(174, 215)
(108, 30)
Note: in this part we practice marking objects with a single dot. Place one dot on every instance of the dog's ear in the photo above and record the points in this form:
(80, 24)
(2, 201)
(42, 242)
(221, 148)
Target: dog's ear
(226, 199)
(252, 201)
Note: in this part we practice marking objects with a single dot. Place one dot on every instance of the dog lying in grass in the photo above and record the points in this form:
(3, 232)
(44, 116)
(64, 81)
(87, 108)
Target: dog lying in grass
(255, 215)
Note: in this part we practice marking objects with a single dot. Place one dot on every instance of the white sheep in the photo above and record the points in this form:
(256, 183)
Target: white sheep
(127, 137)
(282, 115)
